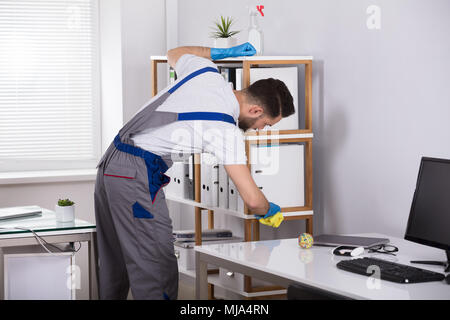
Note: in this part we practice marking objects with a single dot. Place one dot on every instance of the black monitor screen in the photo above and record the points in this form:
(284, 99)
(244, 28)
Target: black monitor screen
(429, 219)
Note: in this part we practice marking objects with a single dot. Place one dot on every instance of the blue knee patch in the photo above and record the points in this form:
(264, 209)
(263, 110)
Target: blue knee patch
(140, 212)
(166, 297)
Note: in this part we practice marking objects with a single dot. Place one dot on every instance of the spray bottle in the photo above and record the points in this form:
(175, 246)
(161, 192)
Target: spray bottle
(255, 35)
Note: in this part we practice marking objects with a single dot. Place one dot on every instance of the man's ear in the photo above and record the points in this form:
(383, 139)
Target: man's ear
(255, 111)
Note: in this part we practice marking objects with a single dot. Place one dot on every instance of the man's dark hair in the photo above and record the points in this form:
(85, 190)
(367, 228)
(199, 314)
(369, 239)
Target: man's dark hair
(273, 96)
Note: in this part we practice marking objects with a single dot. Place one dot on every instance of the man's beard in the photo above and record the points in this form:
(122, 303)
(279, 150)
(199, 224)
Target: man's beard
(247, 123)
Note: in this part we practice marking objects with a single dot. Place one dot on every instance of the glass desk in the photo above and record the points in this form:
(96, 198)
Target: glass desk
(17, 233)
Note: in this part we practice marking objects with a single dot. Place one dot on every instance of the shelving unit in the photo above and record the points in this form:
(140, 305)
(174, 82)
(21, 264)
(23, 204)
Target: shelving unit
(251, 224)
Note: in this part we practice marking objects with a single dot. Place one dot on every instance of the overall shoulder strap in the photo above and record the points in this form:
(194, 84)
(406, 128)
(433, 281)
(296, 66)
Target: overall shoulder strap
(144, 119)
(213, 116)
(190, 76)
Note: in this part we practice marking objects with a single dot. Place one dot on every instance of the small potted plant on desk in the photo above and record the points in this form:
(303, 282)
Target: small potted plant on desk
(65, 210)
(223, 36)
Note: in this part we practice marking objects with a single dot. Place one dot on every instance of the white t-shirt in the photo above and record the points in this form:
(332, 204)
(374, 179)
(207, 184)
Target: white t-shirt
(208, 92)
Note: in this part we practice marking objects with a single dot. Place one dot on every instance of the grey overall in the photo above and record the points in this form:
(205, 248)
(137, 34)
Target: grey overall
(134, 230)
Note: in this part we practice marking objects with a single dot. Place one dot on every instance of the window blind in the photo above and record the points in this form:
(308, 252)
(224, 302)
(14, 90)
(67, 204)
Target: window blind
(49, 91)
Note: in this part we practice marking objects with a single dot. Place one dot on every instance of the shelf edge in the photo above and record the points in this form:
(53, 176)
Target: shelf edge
(232, 212)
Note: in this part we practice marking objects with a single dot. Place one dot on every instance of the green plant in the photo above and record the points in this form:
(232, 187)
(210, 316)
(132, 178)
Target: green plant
(222, 28)
(65, 203)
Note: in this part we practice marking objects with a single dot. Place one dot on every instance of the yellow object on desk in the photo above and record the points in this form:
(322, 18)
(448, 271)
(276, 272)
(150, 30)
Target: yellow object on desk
(273, 221)
(305, 240)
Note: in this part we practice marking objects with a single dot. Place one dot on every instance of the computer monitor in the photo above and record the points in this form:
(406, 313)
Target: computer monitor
(429, 218)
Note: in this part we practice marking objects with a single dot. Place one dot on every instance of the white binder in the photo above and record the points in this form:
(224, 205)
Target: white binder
(205, 181)
(185, 182)
(239, 77)
(209, 180)
(190, 182)
(179, 180)
(232, 195)
(240, 203)
(223, 187)
(170, 189)
(279, 167)
(215, 184)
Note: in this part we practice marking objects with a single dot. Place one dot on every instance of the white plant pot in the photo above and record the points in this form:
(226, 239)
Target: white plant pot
(225, 42)
(65, 214)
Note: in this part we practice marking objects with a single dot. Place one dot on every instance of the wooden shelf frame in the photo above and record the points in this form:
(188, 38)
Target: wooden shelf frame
(252, 225)
(247, 63)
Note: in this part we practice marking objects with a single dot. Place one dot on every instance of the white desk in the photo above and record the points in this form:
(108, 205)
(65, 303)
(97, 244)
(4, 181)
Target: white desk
(52, 231)
(283, 262)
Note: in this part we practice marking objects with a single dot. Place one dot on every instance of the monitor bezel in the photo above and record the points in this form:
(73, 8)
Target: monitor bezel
(411, 214)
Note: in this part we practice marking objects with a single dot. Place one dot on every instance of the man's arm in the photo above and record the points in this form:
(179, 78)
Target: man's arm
(174, 54)
(245, 49)
(249, 191)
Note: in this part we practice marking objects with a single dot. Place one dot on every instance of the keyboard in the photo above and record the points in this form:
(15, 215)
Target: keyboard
(389, 271)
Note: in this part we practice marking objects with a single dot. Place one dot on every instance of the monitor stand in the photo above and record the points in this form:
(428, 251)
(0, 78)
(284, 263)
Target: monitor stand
(446, 264)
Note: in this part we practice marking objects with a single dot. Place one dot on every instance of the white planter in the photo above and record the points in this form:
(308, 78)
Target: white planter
(225, 42)
(65, 214)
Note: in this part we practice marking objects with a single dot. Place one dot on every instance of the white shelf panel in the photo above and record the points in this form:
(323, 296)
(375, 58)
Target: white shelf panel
(158, 58)
(184, 201)
(266, 58)
(298, 213)
(252, 58)
(279, 136)
(232, 212)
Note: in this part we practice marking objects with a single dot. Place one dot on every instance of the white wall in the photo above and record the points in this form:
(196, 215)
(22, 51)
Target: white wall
(380, 97)
(110, 24)
(143, 35)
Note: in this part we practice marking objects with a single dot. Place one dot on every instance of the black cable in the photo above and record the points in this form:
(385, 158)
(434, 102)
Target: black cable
(41, 241)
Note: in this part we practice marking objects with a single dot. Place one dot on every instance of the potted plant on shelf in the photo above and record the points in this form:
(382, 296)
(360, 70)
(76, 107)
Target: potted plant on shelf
(223, 36)
(65, 210)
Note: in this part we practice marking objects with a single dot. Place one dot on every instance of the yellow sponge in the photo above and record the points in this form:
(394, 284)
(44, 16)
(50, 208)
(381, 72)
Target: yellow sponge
(273, 221)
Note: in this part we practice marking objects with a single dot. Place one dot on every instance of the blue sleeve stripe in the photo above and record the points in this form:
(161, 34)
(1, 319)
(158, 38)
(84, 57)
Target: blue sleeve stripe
(192, 75)
(215, 116)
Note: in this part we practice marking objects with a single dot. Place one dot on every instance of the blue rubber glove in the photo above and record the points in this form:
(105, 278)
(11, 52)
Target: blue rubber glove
(273, 217)
(245, 49)
(273, 209)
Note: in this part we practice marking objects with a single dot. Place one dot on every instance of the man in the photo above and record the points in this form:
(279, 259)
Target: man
(134, 230)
